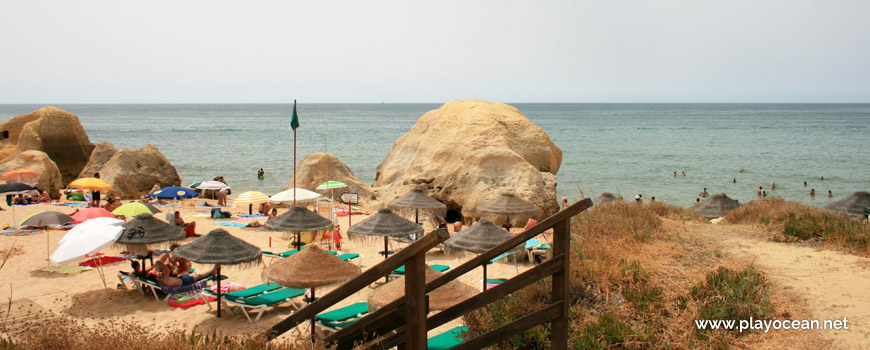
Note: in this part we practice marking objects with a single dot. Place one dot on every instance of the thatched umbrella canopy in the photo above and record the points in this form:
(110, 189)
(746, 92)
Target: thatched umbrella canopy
(219, 247)
(310, 268)
(387, 224)
(852, 206)
(298, 219)
(480, 237)
(417, 200)
(441, 298)
(604, 198)
(508, 204)
(716, 206)
(146, 230)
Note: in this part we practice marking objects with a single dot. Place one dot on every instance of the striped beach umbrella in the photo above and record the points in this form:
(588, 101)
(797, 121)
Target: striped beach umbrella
(250, 198)
(331, 184)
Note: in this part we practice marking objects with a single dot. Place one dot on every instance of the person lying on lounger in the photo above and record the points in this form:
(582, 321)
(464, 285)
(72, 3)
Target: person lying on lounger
(164, 277)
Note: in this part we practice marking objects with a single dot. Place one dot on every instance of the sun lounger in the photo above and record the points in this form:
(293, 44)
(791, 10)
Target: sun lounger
(242, 294)
(351, 256)
(266, 300)
(332, 321)
(447, 339)
(143, 283)
(536, 249)
(290, 252)
(440, 268)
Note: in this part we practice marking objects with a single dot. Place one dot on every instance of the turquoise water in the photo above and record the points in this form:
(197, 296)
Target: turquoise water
(626, 149)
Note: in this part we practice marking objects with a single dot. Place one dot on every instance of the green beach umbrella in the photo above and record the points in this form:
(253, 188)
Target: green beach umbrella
(133, 209)
(331, 184)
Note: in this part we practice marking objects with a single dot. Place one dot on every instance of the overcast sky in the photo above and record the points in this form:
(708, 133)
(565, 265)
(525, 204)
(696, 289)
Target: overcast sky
(434, 51)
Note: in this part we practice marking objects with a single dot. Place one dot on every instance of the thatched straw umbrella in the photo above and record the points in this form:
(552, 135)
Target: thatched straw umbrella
(298, 219)
(385, 223)
(218, 248)
(479, 238)
(508, 204)
(146, 230)
(417, 200)
(604, 198)
(310, 268)
(716, 206)
(853, 205)
(441, 298)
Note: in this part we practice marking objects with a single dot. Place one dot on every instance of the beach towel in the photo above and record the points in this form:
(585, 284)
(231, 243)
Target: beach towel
(18, 232)
(231, 223)
(104, 260)
(69, 270)
(186, 300)
(250, 217)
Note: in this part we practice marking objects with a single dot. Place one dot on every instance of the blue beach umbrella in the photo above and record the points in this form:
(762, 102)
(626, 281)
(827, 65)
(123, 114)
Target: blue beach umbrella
(173, 192)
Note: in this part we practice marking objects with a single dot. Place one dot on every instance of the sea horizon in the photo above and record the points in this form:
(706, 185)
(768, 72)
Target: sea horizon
(622, 148)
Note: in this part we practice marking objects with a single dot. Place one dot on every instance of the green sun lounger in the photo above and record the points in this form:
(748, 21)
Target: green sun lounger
(447, 339)
(290, 252)
(334, 320)
(241, 294)
(351, 256)
(263, 301)
(440, 268)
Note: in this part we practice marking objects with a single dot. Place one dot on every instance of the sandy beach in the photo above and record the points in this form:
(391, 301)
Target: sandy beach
(83, 297)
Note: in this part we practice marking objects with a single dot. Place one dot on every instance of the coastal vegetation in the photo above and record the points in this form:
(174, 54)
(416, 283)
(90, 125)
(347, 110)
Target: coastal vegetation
(795, 222)
(638, 284)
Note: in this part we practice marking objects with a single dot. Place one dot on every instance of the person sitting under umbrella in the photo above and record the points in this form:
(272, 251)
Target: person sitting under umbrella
(178, 266)
(164, 276)
(189, 227)
(264, 208)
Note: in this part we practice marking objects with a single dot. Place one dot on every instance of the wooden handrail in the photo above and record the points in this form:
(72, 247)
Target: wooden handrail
(381, 319)
(421, 246)
(403, 321)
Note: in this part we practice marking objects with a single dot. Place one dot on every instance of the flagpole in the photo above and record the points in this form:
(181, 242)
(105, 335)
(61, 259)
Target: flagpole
(294, 156)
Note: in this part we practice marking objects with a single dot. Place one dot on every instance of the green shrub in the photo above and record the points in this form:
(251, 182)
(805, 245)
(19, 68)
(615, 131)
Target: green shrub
(608, 332)
(732, 295)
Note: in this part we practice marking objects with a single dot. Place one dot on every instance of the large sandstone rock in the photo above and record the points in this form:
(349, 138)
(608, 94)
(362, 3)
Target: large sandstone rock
(99, 157)
(467, 152)
(132, 173)
(56, 132)
(318, 168)
(49, 178)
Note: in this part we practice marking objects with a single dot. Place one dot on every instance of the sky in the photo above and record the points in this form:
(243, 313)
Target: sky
(614, 51)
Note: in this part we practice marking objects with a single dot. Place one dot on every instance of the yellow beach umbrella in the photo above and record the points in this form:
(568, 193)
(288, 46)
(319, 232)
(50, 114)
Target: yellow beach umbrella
(250, 198)
(91, 183)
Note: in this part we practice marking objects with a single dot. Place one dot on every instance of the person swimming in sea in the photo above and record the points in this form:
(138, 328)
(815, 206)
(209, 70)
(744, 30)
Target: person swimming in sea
(759, 191)
(260, 174)
(830, 194)
(813, 192)
(734, 180)
(675, 174)
(682, 173)
(773, 186)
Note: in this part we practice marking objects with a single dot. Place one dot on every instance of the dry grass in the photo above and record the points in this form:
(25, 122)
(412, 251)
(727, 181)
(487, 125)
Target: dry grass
(66, 333)
(795, 222)
(630, 288)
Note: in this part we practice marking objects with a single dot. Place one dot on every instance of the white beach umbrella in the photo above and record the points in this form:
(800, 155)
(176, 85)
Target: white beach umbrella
(87, 238)
(212, 185)
(302, 196)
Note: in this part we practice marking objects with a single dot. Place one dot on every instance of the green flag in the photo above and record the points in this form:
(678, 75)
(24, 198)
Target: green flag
(295, 121)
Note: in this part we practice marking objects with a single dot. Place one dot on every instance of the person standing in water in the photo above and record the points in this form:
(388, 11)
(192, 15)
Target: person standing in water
(773, 186)
(759, 191)
(704, 193)
(813, 192)
(830, 194)
(260, 174)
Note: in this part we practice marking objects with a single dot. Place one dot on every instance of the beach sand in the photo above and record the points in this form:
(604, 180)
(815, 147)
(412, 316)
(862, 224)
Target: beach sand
(83, 297)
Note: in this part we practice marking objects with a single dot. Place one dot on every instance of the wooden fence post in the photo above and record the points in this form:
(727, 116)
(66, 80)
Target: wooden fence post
(561, 246)
(415, 294)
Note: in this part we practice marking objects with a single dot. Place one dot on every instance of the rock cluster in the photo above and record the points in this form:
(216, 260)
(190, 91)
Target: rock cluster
(318, 168)
(53, 143)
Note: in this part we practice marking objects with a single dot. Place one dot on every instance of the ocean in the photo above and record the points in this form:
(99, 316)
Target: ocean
(626, 149)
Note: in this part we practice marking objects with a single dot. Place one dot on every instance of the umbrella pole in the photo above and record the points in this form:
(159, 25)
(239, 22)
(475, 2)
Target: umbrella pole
(313, 327)
(103, 275)
(250, 209)
(298, 241)
(386, 250)
(219, 290)
(47, 248)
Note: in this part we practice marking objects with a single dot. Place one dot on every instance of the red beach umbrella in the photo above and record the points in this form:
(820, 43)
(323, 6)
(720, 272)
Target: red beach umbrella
(92, 213)
(19, 175)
